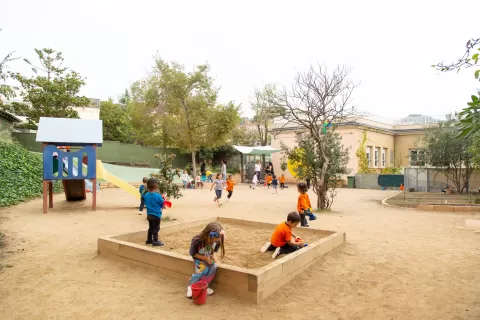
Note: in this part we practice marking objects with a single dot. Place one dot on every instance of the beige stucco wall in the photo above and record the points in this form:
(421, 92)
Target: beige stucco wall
(403, 143)
(386, 140)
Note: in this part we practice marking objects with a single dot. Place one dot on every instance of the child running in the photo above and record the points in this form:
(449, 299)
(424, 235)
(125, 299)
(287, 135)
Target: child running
(283, 240)
(303, 204)
(154, 203)
(230, 184)
(282, 181)
(185, 179)
(254, 181)
(142, 189)
(203, 250)
(218, 184)
(274, 184)
(268, 180)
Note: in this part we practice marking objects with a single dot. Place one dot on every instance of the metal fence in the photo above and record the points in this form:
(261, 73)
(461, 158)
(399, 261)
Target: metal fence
(424, 180)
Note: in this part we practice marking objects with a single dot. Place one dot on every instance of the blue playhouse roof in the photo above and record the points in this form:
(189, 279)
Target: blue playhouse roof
(70, 132)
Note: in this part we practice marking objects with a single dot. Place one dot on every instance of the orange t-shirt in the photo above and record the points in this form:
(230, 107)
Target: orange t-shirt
(303, 202)
(230, 185)
(281, 235)
(269, 179)
(282, 179)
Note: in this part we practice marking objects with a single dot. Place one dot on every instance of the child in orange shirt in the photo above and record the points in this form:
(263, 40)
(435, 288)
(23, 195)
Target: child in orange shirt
(303, 204)
(268, 180)
(282, 181)
(283, 240)
(230, 184)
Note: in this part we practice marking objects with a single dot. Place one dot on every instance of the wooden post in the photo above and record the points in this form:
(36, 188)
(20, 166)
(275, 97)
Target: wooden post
(50, 194)
(242, 170)
(45, 196)
(94, 184)
(45, 207)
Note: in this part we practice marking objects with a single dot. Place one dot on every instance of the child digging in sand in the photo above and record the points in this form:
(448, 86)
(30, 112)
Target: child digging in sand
(283, 240)
(218, 184)
(203, 250)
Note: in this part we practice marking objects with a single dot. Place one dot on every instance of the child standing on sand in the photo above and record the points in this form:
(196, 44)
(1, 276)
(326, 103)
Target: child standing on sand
(203, 250)
(230, 184)
(268, 180)
(282, 181)
(274, 184)
(283, 240)
(154, 203)
(142, 189)
(198, 182)
(303, 204)
(254, 181)
(219, 185)
(185, 179)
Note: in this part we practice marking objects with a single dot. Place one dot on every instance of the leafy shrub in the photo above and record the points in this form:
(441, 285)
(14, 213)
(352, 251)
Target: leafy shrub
(21, 175)
(166, 175)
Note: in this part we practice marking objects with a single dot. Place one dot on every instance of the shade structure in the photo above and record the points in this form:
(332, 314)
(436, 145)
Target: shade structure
(267, 150)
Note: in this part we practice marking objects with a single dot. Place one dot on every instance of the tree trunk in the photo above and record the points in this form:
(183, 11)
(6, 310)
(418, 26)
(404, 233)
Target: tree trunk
(194, 164)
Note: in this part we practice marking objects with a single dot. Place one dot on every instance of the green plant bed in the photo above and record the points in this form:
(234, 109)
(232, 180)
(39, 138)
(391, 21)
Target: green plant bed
(21, 175)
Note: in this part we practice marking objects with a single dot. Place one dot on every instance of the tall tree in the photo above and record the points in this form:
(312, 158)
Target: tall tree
(450, 153)
(310, 158)
(115, 124)
(183, 106)
(6, 91)
(52, 92)
(318, 98)
(265, 111)
(469, 118)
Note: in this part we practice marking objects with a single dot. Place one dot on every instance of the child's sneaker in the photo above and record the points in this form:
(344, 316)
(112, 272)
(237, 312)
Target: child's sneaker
(210, 291)
(157, 243)
(265, 247)
(276, 252)
(140, 212)
(189, 292)
(148, 242)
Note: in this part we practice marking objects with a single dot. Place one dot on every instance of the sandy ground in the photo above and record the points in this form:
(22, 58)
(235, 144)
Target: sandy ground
(396, 264)
(243, 245)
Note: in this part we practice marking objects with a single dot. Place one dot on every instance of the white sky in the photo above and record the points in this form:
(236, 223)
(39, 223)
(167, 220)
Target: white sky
(390, 46)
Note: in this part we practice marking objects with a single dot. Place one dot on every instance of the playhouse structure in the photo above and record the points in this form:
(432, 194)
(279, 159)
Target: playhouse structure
(69, 154)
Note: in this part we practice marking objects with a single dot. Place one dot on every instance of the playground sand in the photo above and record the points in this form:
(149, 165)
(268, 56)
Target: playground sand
(396, 264)
(242, 246)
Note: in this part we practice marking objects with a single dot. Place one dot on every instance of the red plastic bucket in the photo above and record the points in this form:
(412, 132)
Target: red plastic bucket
(167, 204)
(199, 292)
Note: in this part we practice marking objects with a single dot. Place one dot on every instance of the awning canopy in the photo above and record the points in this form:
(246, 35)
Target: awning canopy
(267, 150)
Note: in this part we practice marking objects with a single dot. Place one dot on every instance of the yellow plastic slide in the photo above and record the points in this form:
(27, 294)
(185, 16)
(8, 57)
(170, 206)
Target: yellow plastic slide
(105, 175)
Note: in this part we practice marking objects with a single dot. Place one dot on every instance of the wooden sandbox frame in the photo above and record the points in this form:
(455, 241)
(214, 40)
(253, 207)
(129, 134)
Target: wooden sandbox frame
(253, 285)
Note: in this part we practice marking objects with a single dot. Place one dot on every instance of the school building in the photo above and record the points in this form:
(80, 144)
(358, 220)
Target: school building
(388, 143)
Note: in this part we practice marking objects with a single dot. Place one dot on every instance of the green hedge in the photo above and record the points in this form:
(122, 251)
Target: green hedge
(20, 175)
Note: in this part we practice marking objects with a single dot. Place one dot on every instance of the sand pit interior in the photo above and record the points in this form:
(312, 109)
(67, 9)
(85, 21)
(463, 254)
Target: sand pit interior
(242, 247)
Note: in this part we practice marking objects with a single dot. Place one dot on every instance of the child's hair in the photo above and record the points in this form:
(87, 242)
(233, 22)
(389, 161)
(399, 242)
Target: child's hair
(293, 217)
(152, 184)
(213, 229)
(145, 179)
(218, 176)
(230, 176)
(302, 187)
(274, 177)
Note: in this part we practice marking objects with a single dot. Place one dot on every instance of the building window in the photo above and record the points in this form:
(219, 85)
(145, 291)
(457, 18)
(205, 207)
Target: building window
(376, 157)
(384, 158)
(369, 158)
(392, 157)
(416, 158)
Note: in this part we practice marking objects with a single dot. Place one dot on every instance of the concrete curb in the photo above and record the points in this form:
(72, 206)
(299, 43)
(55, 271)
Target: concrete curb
(384, 202)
